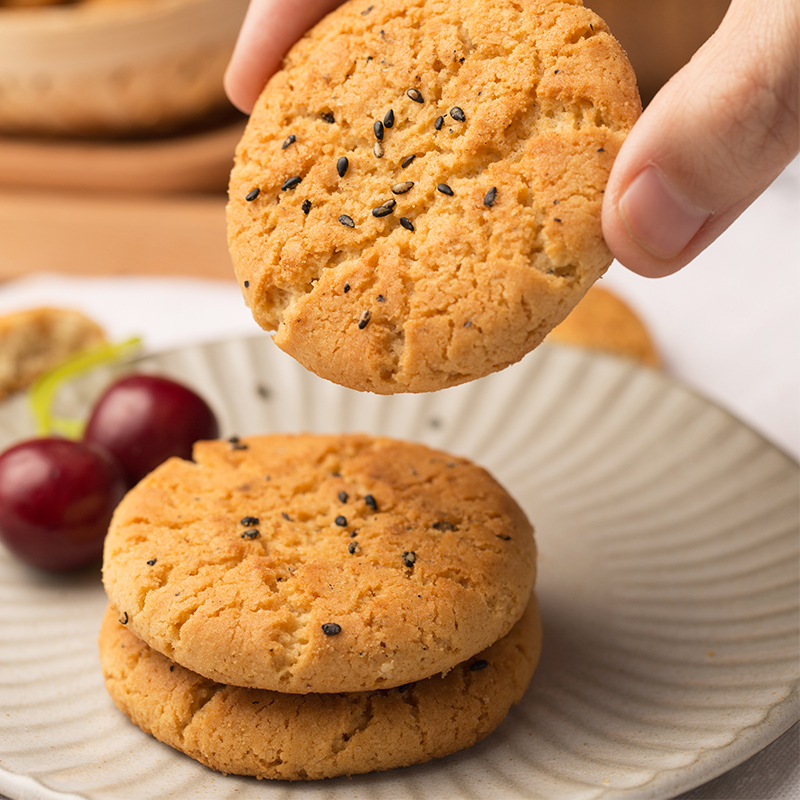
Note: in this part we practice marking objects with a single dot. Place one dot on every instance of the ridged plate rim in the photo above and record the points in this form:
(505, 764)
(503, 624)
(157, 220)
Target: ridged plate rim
(668, 580)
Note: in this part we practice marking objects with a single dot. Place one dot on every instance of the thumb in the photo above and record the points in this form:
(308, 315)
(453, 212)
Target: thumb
(710, 142)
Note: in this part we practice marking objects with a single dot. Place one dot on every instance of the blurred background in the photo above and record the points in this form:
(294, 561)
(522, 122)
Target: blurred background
(116, 138)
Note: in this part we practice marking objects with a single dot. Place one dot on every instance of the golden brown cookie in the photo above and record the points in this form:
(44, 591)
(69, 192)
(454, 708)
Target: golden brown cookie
(38, 339)
(319, 563)
(416, 199)
(603, 321)
(303, 737)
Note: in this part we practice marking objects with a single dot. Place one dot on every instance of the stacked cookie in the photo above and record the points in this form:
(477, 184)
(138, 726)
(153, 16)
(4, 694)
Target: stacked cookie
(304, 606)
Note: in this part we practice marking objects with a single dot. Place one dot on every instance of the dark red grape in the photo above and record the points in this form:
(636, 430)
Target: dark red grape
(56, 500)
(145, 419)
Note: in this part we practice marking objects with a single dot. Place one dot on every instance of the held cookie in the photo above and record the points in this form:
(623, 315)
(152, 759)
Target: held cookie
(305, 737)
(319, 563)
(416, 199)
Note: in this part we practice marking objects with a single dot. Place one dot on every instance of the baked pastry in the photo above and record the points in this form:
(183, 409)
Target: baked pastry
(604, 321)
(415, 201)
(310, 563)
(301, 737)
(36, 340)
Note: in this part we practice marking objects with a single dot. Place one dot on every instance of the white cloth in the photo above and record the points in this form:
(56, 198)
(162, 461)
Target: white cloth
(728, 326)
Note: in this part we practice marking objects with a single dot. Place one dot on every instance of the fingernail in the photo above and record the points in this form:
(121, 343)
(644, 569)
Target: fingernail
(658, 216)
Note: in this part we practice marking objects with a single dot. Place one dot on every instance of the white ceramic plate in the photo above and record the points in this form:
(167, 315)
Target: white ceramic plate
(669, 577)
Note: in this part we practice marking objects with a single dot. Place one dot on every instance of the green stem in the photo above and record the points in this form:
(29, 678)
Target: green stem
(46, 387)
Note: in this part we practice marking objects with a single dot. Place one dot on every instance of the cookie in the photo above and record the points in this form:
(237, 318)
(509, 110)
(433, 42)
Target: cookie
(305, 737)
(603, 321)
(415, 201)
(312, 563)
(37, 339)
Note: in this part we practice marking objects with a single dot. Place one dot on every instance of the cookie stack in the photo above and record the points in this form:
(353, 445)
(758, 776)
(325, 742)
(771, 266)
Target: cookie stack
(307, 606)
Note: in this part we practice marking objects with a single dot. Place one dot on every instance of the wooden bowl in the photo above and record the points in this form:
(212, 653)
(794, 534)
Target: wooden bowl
(660, 36)
(114, 68)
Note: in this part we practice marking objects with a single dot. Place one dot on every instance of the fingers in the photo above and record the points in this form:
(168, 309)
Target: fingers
(269, 29)
(710, 142)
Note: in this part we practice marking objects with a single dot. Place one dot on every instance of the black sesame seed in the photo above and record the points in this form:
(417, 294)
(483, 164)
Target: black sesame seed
(328, 117)
(352, 547)
(458, 114)
(478, 665)
(331, 628)
(341, 166)
(363, 320)
(366, 11)
(151, 562)
(407, 161)
(124, 620)
(378, 129)
(443, 525)
(390, 203)
(342, 497)
(371, 502)
(252, 194)
(402, 188)
(382, 211)
(246, 284)
(504, 537)
(407, 223)
(306, 206)
(347, 221)
(490, 196)
(291, 139)
(556, 219)
(438, 123)
(346, 288)
(248, 522)
(253, 533)
(290, 183)
(409, 558)
(415, 95)
(601, 149)
(286, 516)
(377, 150)
(388, 120)
(445, 189)
(236, 443)
(341, 521)
(380, 298)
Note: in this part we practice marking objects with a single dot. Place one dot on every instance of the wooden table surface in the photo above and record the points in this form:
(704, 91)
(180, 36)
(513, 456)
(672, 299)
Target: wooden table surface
(150, 207)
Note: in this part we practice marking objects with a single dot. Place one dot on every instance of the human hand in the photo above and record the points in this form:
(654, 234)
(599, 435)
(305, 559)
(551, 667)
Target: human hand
(707, 145)
(269, 29)
(710, 142)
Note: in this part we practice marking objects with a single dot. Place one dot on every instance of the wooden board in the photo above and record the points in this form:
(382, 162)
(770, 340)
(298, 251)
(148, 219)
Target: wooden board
(196, 161)
(96, 234)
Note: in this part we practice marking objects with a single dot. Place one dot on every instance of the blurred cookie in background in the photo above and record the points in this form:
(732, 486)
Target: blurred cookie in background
(36, 340)
(602, 321)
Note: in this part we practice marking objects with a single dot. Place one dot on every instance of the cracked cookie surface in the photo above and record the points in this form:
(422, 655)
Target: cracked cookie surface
(416, 199)
(301, 737)
(311, 563)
